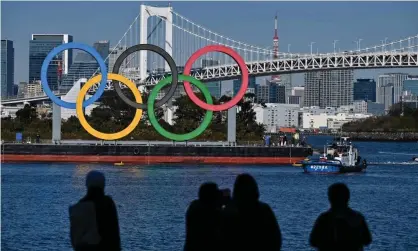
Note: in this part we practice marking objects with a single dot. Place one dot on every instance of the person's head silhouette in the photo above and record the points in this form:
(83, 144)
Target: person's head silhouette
(338, 195)
(95, 182)
(209, 193)
(245, 189)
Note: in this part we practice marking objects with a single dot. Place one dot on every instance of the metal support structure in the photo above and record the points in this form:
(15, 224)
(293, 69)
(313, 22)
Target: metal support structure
(56, 123)
(232, 125)
(305, 64)
(165, 13)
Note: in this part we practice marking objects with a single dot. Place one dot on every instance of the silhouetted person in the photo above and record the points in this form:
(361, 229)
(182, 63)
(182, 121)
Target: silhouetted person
(94, 219)
(340, 228)
(203, 220)
(249, 224)
(225, 197)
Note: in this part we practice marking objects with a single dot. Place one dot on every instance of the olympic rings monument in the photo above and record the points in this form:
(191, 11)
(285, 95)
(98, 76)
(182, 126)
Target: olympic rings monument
(170, 66)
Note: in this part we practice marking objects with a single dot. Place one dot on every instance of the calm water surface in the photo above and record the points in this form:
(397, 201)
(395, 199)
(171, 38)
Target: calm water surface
(152, 200)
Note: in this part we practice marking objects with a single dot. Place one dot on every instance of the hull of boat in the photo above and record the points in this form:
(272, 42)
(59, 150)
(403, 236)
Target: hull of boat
(156, 154)
(330, 168)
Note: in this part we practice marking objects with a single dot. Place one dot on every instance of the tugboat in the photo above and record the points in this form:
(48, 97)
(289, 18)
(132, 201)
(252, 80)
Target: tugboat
(339, 157)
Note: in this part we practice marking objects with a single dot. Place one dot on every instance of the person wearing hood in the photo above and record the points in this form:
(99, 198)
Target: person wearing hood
(249, 224)
(94, 219)
(340, 228)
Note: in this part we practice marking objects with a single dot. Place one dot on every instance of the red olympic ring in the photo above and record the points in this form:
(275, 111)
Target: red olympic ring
(244, 73)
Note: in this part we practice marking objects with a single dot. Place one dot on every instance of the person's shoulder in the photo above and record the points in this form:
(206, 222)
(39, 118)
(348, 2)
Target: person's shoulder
(193, 206)
(324, 216)
(265, 207)
(356, 214)
(109, 200)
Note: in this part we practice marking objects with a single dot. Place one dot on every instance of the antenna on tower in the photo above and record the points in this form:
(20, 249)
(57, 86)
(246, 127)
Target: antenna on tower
(275, 46)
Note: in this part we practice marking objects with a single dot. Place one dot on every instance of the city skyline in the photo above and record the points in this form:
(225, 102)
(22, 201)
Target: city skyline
(292, 30)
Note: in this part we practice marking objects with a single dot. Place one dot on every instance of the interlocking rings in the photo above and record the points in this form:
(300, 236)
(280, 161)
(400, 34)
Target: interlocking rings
(86, 125)
(162, 53)
(179, 137)
(63, 47)
(150, 106)
(242, 66)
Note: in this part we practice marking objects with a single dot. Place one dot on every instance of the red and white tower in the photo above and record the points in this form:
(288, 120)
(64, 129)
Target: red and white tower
(275, 47)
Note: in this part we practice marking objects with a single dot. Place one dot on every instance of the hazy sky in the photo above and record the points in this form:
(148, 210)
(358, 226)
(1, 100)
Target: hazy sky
(250, 22)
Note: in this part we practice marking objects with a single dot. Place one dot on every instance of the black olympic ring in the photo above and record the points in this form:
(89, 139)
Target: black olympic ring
(162, 53)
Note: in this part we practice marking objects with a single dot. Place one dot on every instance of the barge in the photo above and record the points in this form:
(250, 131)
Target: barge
(156, 153)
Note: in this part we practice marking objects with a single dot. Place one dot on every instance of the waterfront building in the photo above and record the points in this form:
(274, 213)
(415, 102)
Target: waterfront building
(274, 116)
(39, 47)
(270, 92)
(410, 84)
(251, 85)
(298, 91)
(7, 68)
(34, 89)
(328, 88)
(329, 121)
(394, 79)
(386, 95)
(294, 100)
(114, 53)
(84, 66)
(22, 89)
(369, 107)
(286, 81)
(364, 89)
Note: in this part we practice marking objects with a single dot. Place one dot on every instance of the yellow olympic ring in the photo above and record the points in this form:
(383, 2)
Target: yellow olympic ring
(82, 118)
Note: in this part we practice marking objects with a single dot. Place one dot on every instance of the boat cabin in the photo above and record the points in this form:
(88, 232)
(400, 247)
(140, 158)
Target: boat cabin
(342, 151)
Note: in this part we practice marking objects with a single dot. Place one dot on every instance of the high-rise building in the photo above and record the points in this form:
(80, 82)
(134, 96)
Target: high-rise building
(84, 66)
(39, 47)
(251, 86)
(22, 89)
(297, 95)
(386, 95)
(115, 52)
(364, 89)
(411, 85)
(270, 92)
(286, 81)
(281, 94)
(216, 86)
(7, 68)
(329, 88)
(382, 80)
(396, 79)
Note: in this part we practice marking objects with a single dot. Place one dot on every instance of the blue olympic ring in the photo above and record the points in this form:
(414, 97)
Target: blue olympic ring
(50, 57)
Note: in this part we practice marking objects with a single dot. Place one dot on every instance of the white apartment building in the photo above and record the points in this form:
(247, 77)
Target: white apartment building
(335, 121)
(274, 116)
(34, 89)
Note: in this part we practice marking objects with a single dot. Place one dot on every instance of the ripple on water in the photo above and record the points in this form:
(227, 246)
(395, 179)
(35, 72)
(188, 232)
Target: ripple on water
(152, 201)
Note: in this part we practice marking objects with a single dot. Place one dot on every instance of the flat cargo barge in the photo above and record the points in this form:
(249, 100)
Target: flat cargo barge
(153, 154)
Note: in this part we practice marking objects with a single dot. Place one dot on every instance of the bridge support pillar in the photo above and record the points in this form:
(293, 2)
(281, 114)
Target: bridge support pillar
(56, 123)
(168, 112)
(146, 12)
(232, 125)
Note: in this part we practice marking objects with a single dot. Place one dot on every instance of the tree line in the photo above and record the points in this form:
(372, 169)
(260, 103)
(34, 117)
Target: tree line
(114, 115)
(394, 121)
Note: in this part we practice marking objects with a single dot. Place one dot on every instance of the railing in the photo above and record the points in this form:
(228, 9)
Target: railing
(152, 143)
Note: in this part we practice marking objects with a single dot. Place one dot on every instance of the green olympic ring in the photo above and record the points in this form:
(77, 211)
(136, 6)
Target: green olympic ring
(179, 137)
